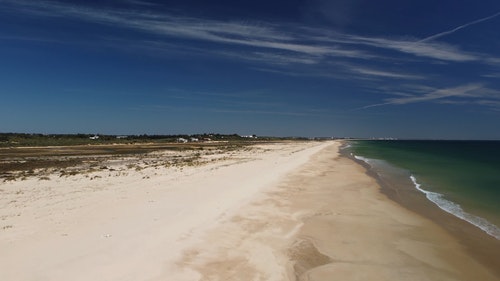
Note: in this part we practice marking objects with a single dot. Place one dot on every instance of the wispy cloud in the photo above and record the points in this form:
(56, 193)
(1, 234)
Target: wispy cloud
(382, 73)
(491, 75)
(441, 34)
(474, 93)
(235, 33)
(493, 104)
(278, 48)
(263, 112)
(139, 2)
(438, 51)
(470, 90)
(314, 43)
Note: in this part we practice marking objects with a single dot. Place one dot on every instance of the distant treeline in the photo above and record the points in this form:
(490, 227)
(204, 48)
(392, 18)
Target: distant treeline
(23, 139)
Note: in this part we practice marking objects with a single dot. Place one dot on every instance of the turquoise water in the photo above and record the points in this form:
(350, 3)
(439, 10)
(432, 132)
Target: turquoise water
(461, 177)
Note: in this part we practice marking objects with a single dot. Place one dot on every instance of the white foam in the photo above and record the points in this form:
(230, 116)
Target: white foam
(345, 146)
(361, 158)
(456, 210)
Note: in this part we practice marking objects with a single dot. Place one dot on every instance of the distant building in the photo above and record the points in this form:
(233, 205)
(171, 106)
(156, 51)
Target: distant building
(182, 140)
(250, 136)
(194, 139)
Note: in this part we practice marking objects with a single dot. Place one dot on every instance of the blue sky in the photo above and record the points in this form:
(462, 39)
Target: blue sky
(350, 68)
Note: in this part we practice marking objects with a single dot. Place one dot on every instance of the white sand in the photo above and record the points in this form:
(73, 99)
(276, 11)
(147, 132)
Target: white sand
(129, 227)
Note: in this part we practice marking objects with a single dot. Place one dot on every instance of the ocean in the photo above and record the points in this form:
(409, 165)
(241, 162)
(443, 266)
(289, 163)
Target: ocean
(460, 177)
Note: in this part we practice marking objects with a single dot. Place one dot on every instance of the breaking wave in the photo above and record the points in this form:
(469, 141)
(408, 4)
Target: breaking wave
(455, 209)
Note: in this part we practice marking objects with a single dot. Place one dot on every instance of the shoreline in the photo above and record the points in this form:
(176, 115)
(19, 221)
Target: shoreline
(289, 211)
(433, 230)
(329, 219)
(481, 245)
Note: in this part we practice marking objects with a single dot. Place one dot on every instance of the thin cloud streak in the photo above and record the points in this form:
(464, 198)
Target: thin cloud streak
(411, 46)
(493, 104)
(491, 75)
(438, 51)
(384, 74)
(469, 93)
(262, 112)
(436, 36)
(469, 90)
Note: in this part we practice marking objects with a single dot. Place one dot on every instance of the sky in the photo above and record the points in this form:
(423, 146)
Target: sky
(342, 68)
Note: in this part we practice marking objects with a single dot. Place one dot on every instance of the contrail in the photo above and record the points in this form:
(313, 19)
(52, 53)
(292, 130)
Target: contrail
(458, 28)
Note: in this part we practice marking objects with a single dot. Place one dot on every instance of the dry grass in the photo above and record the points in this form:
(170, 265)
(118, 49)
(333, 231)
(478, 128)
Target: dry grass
(41, 162)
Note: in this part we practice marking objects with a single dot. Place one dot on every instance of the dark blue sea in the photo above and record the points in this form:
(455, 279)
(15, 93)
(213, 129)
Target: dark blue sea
(460, 177)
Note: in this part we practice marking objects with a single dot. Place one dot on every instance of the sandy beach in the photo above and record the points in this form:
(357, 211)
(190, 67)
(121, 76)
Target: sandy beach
(272, 211)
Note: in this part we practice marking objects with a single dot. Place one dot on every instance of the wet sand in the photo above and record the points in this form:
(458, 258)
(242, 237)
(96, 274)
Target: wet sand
(399, 188)
(328, 220)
